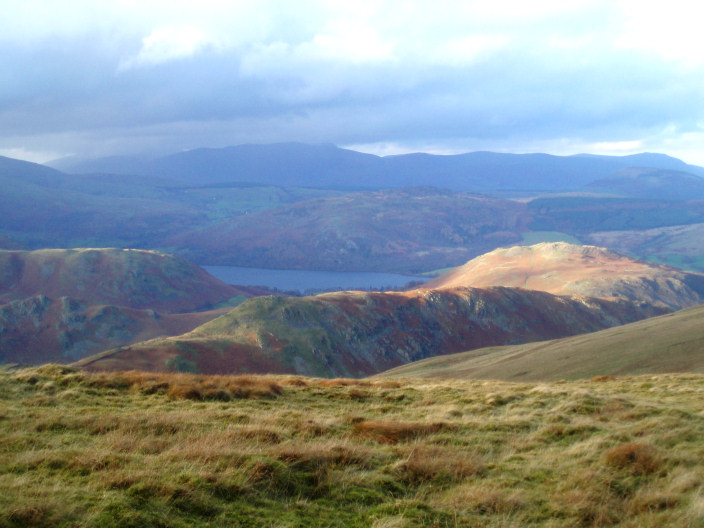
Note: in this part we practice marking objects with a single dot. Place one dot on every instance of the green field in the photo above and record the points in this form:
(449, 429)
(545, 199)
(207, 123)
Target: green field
(143, 450)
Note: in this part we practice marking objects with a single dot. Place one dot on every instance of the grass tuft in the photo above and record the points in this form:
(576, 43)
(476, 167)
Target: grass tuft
(634, 457)
(392, 432)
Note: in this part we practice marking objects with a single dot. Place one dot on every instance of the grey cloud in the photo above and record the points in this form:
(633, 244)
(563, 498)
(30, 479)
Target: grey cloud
(70, 93)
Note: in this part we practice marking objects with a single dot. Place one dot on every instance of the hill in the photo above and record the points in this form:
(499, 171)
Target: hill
(359, 333)
(669, 343)
(562, 269)
(43, 208)
(651, 183)
(37, 329)
(325, 165)
(681, 246)
(63, 304)
(124, 277)
(137, 449)
(401, 230)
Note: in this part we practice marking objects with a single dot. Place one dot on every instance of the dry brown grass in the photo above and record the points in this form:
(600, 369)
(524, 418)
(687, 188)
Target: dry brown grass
(132, 449)
(392, 432)
(185, 386)
(485, 500)
(431, 463)
(342, 382)
(635, 457)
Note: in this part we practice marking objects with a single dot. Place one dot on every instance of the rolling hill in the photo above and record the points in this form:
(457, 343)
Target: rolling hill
(561, 268)
(399, 230)
(37, 329)
(63, 304)
(650, 183)
(125, 277)
(359, 333)
(665, 344)
(42, 207)
(681, 246)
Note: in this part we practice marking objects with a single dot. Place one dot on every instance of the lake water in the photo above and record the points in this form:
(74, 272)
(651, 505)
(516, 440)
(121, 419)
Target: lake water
(303, 280)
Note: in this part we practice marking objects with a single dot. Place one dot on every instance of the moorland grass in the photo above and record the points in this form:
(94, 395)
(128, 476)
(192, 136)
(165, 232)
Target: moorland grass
(138, 449)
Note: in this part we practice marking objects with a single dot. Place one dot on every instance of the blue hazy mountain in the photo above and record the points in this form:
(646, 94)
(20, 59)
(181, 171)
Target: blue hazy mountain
(328, 166)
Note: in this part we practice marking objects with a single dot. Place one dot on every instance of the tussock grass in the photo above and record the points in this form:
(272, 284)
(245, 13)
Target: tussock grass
(139, 449)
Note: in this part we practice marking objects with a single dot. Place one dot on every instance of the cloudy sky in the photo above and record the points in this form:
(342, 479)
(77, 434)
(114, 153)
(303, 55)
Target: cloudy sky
(94, 78)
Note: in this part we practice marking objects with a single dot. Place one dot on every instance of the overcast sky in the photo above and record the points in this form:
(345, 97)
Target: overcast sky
(92, 78)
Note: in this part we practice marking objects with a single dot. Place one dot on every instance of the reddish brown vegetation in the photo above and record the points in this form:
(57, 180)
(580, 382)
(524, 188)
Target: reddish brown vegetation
(392, 432)
(189, 386)
(426, 463)
(635, 457)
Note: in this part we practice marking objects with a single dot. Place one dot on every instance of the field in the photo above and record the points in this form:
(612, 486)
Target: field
(136, 449)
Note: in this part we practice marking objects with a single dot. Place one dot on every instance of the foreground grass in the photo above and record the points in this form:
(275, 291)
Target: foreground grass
(135, 449)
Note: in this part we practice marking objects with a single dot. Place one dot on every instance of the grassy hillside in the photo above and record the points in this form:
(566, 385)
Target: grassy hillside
(402, 230)
(669, 343)
(60, 305)
(562, 269)
(651, 183)
(124, 277)
(39, 329)
(361, 333)
(681, 246)
(140, 450)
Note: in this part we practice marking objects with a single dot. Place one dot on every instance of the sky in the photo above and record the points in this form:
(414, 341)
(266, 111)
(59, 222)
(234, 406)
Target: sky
(149, 77)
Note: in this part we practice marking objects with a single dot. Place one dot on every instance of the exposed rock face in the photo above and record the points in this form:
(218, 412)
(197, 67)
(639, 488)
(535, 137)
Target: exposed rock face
(562, 269)
(357, 333)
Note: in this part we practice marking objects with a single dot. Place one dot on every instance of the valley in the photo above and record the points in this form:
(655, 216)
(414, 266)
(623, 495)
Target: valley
(136, 389)
(270, 264)
(295, 206)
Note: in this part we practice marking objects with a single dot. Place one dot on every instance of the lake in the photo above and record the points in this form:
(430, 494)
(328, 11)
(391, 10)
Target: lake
(304, 280)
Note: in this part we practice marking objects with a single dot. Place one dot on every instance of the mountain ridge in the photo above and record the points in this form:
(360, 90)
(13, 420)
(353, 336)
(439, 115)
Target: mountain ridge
(355, 334)
(299, 164)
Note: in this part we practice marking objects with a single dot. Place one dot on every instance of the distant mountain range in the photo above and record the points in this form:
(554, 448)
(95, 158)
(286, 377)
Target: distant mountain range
(328, 166)
(186, 208)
